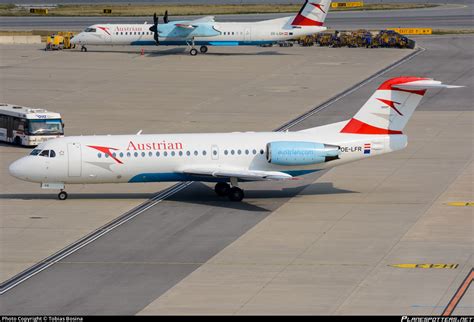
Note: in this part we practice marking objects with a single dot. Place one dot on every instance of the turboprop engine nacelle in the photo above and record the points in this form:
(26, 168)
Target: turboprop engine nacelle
(301, 153)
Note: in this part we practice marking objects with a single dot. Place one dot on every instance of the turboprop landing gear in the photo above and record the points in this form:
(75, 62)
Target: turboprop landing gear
(193, 51)
(83, 48)
(62, 195)
(203, 49)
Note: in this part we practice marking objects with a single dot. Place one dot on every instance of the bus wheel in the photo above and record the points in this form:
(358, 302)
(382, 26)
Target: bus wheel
(17, 141)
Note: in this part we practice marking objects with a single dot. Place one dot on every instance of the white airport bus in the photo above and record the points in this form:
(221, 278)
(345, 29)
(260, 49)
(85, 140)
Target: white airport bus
(28, 126)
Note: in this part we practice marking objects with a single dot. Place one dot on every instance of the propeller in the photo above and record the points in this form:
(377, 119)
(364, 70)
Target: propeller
(154, 28)
(165, 17)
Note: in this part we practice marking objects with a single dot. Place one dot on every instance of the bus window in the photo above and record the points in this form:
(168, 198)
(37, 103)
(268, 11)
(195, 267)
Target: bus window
(35, 152)
(38, 127)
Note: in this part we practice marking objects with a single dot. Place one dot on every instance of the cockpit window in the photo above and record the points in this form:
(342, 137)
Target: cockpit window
(90, 30)
(44, 153)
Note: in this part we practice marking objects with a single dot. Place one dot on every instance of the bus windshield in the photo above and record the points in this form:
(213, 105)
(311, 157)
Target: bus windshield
(45, 127)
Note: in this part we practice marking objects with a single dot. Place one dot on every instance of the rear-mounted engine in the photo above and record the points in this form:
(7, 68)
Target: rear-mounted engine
(301, 153)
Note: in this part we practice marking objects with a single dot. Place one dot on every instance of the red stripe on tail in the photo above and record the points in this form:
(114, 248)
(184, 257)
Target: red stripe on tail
(301, 20)
(357, 127)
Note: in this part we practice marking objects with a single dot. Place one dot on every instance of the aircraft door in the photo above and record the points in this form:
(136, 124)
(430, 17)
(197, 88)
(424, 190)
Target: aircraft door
(215, 152)
(74, 156)
(247, 35)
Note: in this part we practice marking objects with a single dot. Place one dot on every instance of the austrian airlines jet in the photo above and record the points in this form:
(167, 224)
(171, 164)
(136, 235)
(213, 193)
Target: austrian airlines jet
(229, 157)
(207, 32)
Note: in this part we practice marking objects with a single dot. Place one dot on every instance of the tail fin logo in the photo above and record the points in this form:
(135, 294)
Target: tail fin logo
(317, 5)
(391, 104)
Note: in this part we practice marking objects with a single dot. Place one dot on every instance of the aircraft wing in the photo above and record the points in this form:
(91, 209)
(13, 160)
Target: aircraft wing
(193, 23)
(254, 175)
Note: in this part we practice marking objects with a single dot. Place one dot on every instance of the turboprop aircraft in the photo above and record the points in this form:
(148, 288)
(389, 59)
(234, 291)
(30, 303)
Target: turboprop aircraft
(206, 31)
(228, 157)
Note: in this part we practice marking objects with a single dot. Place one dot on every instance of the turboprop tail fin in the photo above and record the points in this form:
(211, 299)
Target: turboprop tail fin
(312, 13)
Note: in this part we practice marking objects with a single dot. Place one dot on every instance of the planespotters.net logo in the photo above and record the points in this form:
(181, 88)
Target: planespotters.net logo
(437, 319)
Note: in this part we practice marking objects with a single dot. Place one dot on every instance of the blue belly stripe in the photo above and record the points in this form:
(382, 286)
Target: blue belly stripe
(173, 176)
(202, 43)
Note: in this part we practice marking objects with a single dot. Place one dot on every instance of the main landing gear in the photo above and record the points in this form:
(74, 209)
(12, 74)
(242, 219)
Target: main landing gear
(83, 48)
(193, 51)
(62, 195)
(234, 193)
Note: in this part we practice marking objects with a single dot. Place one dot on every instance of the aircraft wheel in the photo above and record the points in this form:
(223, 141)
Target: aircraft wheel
(83, 48)
(222, 189)
(203, 49)
(236, 194)
(193, 52)
(62, 195)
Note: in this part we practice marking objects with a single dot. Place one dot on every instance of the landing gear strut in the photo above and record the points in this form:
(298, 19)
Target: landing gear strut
(193, 51)
(62, 195)
(203, 49)
(83, 48)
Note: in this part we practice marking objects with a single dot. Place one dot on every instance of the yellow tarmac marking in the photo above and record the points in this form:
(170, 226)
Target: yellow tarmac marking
(460, 204)
(446, 266)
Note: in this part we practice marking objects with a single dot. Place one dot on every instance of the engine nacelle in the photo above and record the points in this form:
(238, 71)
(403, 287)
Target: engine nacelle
(301, 153)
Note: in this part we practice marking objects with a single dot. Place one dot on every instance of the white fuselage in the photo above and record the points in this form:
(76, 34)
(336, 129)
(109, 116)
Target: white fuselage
(167, 157)
(230, 34)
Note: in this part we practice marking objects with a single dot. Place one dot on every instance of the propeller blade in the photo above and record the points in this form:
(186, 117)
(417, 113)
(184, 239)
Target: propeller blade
(154, 28)
(165, 18)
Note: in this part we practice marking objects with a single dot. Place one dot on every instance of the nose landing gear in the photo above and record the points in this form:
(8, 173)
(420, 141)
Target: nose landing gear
(83, 48)
(62, 195)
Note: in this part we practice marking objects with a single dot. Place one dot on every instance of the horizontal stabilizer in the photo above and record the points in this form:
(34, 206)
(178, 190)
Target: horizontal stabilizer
(424, 84)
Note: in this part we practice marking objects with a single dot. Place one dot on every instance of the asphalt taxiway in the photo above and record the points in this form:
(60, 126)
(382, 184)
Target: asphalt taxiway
(328, 242)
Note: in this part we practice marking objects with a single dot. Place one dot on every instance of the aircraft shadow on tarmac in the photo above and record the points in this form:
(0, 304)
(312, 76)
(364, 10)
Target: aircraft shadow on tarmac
(201, 194)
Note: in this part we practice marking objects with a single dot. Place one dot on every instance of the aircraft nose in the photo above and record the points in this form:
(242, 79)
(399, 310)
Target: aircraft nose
(16, 169)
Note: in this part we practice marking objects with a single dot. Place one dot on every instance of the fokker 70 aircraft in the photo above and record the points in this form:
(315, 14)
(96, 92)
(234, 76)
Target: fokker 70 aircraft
(207, 32)
(228, 157)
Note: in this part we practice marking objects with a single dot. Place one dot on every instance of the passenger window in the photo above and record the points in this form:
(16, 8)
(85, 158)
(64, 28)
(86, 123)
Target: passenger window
(254, 151)
(232, 152)
(157, 153)
(52, 154)
(180, 153)
(188, 153)
(172, 153)
(246, 151)
(165, 154)
(121, 154)
(143, 154)
(226, 152)
(135, 154)
(204, 152)
(44, 153)
(196, 153)
(128, 154)
(239, 152)
(150, 154)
